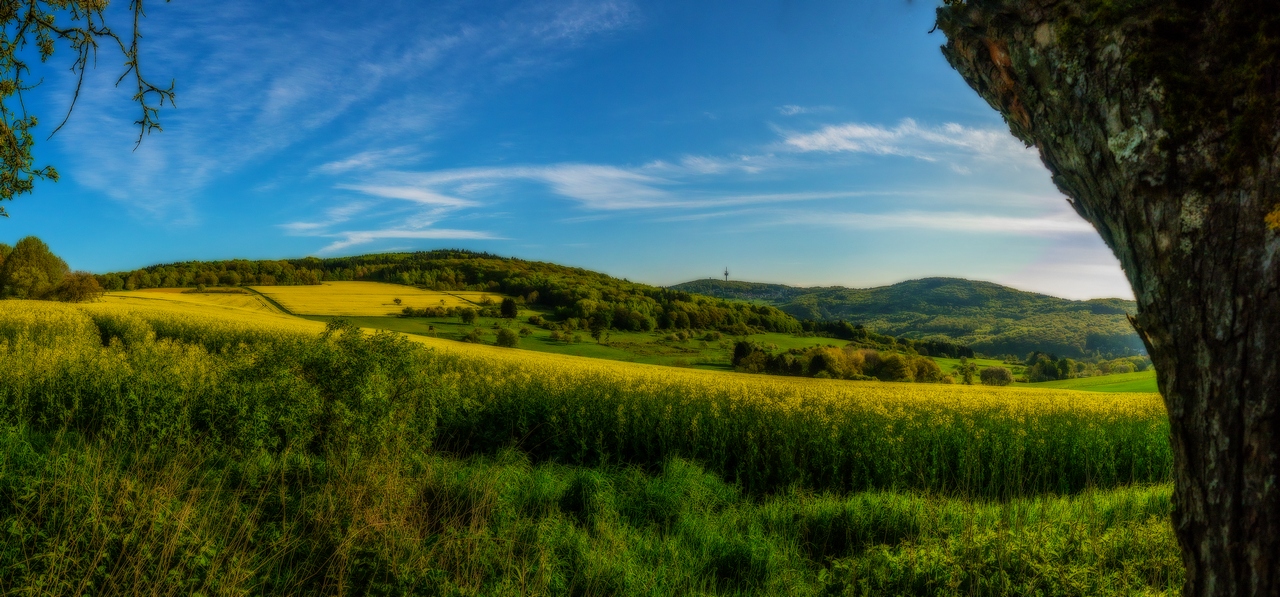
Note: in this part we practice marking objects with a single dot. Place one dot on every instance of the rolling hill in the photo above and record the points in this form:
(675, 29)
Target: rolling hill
(990, 318)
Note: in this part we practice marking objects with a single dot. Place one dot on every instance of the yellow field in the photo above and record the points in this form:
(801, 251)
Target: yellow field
(366, 298)
(221, 300)
(248, 310)
(786, 393)
(761, 431)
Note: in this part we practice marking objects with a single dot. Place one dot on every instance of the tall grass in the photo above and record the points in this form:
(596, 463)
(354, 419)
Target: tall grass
(91, 518)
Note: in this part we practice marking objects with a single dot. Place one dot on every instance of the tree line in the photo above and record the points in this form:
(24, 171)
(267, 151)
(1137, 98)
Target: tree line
(830, 362)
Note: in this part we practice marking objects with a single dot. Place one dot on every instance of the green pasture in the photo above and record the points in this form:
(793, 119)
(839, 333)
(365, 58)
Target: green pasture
(1140, 381)
(951, 365)
(652, 348)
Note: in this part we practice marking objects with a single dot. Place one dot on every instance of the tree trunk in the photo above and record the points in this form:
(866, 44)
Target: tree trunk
(1159, 125)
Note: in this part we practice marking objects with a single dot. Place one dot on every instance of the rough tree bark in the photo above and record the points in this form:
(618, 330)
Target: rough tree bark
(1158, 121)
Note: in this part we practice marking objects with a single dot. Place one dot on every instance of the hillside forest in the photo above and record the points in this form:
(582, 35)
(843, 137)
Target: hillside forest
(989, 318)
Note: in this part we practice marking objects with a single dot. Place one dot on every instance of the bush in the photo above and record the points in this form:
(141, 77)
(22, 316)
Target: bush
(78, 288)
(509, 309)
(467, 315)
(996, 376)
(508, 338)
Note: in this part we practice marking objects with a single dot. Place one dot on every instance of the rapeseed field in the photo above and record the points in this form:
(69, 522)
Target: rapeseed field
(367, 298)
(170, 447)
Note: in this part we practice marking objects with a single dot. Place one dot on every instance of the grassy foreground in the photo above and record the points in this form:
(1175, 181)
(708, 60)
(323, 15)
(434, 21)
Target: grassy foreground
(175, 451)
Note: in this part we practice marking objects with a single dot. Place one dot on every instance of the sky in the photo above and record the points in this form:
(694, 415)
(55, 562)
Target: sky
(805, 142)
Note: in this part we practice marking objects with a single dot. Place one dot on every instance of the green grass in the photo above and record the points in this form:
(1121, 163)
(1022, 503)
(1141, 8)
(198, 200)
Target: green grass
(950, 365)
(1140, 381)
(90, 517)
(636, 347)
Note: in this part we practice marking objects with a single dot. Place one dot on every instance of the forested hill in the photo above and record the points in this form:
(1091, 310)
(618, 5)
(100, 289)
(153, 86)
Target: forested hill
(592, 298)
(990, 318)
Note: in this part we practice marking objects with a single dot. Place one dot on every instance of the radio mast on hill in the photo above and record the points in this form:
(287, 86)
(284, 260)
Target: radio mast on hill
(726, 274)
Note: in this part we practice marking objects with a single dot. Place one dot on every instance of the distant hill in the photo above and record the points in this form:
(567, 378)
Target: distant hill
(581, 298)
(990, 318)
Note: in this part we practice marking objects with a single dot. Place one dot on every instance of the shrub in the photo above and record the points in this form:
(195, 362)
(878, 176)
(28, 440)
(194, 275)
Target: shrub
(996, 376)
(467, 315)
(78, 288)
(509, 338)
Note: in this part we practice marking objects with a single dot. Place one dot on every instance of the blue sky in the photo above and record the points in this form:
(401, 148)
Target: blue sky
(802, 142)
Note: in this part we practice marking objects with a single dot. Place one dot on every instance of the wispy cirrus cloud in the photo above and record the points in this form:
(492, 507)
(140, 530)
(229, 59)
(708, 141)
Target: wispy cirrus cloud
(793, 110)
(257, 83)
(417, 195)
(596, 187)
(1054, 223)
(370, 160)
(909, 139)
(351, 238)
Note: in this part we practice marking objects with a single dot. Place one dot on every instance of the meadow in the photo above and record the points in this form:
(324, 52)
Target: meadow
(1139, 381)
(173, 447)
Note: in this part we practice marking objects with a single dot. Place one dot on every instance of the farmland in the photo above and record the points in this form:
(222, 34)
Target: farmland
(272, 456)
(366, 298)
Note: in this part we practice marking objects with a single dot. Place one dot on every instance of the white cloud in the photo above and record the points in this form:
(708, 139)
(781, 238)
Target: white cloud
(606, 187)
(1079, 267)
(256, 82)
(416, 195)
(1050, 224)
(909, 139)
(792, 109)
(374, 159)
(578, 19)
(333, 216)
(593, 186)
(351, 238)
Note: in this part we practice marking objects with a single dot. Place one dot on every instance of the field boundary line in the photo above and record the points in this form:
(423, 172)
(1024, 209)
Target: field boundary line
(467, 300)
(271, 301)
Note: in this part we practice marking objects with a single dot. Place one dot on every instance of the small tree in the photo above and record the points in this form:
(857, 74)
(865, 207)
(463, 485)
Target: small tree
(31, 270)
(996, 376)
(468, 316)
(397, 301)
(967, 370)
(508, 337)
(78, 288)
(509, 308)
